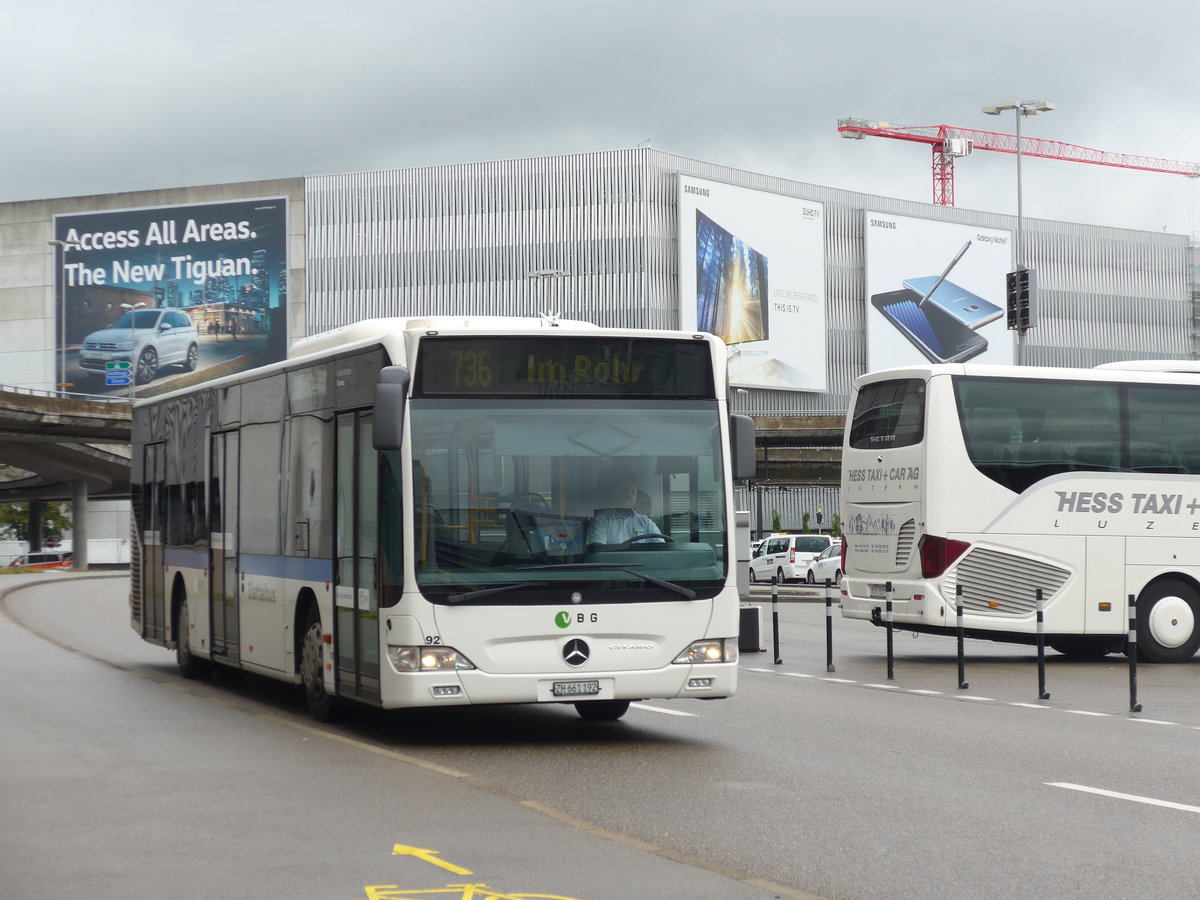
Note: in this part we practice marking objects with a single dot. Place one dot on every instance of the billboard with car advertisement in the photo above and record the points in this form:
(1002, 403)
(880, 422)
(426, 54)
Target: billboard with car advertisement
(935, 292)
(752, 272)
(150, 295)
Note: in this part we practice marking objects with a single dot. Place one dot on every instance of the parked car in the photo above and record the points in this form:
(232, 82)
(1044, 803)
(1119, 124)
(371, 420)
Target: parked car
(48, 559)
(786, 556)
(827, 564)
(148, 339)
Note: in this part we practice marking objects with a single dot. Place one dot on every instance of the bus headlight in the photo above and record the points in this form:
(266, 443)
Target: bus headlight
(427, 659)
(716, 650)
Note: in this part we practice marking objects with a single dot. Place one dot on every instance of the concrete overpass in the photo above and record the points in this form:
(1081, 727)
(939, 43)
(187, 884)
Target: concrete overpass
(77, 448)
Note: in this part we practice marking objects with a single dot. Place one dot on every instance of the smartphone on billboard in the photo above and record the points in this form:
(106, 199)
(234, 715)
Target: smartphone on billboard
(970, 309)
(937, 334)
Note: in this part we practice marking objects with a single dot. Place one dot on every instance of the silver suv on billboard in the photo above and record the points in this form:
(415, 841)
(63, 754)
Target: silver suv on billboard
(147, 338)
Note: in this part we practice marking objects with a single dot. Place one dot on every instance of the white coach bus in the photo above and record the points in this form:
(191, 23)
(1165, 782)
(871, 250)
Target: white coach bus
(401, 514)
(1082, 483)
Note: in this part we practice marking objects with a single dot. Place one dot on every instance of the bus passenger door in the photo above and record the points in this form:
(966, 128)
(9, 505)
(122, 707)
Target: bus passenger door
(222, 536)
(357, 630)
(155, 616)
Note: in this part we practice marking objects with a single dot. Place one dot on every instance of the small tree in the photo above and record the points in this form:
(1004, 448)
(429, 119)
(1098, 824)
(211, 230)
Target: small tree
(14, 521)
(804, 522)
(835, 526)
(776, 521)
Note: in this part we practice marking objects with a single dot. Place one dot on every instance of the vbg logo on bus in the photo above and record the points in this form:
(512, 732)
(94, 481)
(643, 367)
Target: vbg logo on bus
(564, 618)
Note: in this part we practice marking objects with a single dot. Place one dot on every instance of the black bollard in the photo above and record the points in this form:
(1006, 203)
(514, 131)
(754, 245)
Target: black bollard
(775, 615)
(887, 618)
(829, 626)
(1041, 647)
(1131, 650)
(962, 664)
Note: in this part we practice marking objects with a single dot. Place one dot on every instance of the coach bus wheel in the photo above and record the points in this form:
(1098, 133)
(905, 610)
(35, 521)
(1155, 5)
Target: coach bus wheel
(312, 672)
(189, 666)
(1168, 616)
(602, 710)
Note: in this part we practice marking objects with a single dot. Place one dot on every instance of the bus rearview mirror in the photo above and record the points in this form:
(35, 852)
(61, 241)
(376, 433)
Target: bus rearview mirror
(391, 391)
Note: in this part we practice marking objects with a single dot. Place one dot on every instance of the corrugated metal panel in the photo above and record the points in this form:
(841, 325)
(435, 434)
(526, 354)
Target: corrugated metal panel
(464, 238)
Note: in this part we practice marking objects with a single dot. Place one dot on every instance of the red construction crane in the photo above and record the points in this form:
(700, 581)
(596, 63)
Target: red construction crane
(948, 142)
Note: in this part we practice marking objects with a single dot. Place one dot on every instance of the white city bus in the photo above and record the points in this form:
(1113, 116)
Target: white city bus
(398, 514)
(1082, 483)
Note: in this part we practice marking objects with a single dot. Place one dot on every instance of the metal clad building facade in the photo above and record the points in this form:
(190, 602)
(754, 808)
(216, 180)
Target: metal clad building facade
(594, 236)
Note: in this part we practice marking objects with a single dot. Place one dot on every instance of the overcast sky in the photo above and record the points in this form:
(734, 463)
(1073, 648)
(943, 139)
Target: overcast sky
(123, 95)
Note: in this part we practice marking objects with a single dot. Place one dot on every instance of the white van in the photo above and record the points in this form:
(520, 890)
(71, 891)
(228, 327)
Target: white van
(786, 556)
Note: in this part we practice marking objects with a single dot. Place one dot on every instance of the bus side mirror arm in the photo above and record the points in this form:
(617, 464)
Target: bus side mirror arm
(391, 392)
(741, 445)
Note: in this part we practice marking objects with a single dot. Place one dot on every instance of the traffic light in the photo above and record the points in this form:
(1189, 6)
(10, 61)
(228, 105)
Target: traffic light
(1020, 287)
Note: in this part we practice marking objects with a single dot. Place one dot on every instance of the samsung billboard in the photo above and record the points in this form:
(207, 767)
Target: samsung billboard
(752, 272)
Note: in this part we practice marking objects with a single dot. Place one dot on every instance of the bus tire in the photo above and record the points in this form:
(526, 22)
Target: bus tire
(320, 702)
(1168, 621)
(1080, 647)
(601, 710)
(189, 666)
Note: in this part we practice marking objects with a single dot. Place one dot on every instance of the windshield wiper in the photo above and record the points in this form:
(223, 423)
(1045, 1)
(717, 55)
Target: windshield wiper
(620, 567)
(484, 592)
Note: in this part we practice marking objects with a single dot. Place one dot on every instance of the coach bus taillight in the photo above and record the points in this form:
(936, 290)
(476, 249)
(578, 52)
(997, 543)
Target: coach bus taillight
(938, 554)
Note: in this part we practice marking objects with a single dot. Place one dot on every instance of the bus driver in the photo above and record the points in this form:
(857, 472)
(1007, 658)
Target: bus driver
(619, 522)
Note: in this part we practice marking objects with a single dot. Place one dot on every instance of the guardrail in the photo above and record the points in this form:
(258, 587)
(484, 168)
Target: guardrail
(37, 392)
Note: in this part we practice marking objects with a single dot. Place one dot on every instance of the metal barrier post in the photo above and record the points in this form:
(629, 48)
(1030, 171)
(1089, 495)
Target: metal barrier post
(1041, 647)
(829, 627)
(775, 615)
(887, 617)
(1131, 650)
(962, 665)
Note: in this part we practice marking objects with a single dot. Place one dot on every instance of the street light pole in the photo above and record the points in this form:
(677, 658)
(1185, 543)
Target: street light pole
(1021, 108)
(131, 308)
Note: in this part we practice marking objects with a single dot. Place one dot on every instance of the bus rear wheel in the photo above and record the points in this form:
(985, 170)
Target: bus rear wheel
(1168, 622)
(189, 666)
(312, 671)
(602, 710)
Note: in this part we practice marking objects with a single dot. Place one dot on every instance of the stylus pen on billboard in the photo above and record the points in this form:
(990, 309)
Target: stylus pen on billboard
(937, 284)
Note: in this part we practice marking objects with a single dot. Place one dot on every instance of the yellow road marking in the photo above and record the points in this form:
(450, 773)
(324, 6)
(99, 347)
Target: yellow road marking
(429, 856)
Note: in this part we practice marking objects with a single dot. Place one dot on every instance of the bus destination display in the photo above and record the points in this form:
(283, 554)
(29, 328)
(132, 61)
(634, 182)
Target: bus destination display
(627, 368)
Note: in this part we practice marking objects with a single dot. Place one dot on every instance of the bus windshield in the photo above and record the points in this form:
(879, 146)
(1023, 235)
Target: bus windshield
(531, 501)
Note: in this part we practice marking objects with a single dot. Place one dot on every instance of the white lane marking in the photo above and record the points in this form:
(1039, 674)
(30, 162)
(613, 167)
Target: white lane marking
(1030, 706)
(883, 687)
(1087, 712)
(751, 669)
(1117, 795)
(927, 693)
(971, 697)
(841, 680)
(659, 709)
(797, 675)
(1152, 721)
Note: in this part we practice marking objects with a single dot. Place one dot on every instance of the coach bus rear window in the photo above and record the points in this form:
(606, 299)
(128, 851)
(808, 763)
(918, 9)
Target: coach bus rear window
(889, 414)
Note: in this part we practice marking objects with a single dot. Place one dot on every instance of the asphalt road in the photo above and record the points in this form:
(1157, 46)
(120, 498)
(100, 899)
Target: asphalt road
(122, 780)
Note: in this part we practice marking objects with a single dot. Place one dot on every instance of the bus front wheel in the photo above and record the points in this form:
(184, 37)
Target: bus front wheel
(1168, 622)
(312, 671)
(602, 710)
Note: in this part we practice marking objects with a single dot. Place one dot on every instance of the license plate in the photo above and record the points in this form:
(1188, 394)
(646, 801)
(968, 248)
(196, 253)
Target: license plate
(575, 688)
(878, 592)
